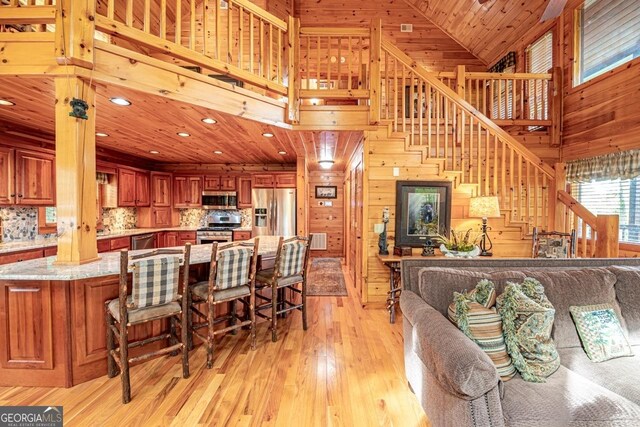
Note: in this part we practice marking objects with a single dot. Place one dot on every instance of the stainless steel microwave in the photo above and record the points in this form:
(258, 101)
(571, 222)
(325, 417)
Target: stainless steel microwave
(219, 199)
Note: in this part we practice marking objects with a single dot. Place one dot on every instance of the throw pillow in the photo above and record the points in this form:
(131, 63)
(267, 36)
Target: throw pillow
(475, 316)
(527, 319)
(600, 332)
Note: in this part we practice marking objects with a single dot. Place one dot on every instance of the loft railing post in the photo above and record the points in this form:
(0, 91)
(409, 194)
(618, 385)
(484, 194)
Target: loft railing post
(608, 242)
(556, 106)
(461, 80)
(374, 69)
(293, 56)
(557, 209)
(75, 28)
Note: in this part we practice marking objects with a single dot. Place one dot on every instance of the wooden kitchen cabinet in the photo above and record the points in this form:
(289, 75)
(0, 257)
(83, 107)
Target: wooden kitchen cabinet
(244, 192)
(160, 214)
(133, 188)
(143, 196)
(187, 191)
(285, 180)
(21, 256)
(241, 235)
(228, 183)
(7, 176)
(263, 181)
(35, 183)
(219, 183)
(171, 239)
(161, 189)
(185, 237)
(211, 183)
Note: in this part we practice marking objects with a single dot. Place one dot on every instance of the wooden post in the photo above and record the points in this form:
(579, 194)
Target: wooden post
(374, 69)
(556, 106)
(293, 55)
(557, 209)
(607, 244)
(75, 28)
(75, 173)
(302, 197)
(461, 81)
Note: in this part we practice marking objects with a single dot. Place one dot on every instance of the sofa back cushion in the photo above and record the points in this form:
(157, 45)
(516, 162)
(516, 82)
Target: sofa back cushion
(437, 284)
(583, 286)
(628, 296)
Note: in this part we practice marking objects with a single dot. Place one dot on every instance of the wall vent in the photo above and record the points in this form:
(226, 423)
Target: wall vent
(406, 28)
(318, 242)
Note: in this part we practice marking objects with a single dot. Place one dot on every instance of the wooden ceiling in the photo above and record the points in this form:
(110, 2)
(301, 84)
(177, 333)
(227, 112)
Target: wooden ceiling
(152, 123)
(487, 30)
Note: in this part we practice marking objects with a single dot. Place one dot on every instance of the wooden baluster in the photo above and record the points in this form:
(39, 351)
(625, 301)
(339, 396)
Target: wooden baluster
(495, 165)
(339, 61)
(308, 71)
(404, 101)
(110, 7)
(218, 29)
(270, 50)
(395, 94)
(536, 215)
(584, 240)
(454, 131)
(529, 207)
(420, 112)
(205, 27)
(521, 189)
(318, 62)
(487, 162)
(513, 99)
(412, 108)
(329, 62)
(163, 19)
(349, 57)
(503, 171)
(431, 103)
(241, 36)
(459, 165)
(511, 182)
(491, 95)
(545, 105)
(129, 13)
(386, 90)
(261, 60)
(446, 126)
(437, 99)
(178, 34)
(543, 201)
(361, 63)
(522, 98)
(147, 14)
(229, 32)
(251, 50)
(473, 138)
(192, 23)
(477, 85)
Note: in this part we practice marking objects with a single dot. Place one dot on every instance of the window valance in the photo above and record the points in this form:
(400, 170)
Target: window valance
(621, 165)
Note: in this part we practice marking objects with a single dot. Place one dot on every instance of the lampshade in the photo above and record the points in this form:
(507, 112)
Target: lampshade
(484, 207)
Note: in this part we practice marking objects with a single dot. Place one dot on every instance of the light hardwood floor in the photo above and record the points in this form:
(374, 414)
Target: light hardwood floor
(345, 370)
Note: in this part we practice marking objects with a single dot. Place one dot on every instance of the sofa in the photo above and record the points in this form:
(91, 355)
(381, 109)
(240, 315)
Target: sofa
(457, 384)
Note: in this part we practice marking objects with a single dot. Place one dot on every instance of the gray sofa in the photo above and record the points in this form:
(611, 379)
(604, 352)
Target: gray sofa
(458, 385)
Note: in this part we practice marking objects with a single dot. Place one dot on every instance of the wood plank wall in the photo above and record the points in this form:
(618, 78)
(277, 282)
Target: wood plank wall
(382, 154)
(325, 219)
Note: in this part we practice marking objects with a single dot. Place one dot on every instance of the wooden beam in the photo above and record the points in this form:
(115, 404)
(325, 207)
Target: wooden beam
(374, 70)
(293, 58)
(75, 173)
(557, 210)
(608, 244)
(556, 107)
(27, 15)
(75, 28)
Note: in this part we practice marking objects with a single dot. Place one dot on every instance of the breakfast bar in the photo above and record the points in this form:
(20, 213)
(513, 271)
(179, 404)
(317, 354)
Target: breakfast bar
(52, 317)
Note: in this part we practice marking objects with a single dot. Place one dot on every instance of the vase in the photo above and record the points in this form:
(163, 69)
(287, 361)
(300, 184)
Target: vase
(459, 254)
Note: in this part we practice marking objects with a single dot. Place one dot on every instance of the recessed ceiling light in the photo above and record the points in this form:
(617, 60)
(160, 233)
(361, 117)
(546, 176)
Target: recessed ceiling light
(282, 152)
(154, 152)
(209, 121)
(6, 102)
(217, 152)
(267, 135)
(102, 134)
(183, 134)
(120, 101)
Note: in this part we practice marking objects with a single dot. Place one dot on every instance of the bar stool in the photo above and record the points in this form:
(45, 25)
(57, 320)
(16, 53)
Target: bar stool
(154, 296)
(231, 278)
(290, 269)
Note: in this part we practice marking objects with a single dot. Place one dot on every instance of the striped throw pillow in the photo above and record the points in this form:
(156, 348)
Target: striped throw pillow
(475, 316)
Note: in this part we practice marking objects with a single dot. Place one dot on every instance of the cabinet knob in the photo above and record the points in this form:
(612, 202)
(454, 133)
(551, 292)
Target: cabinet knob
(13, 195)
(20, 195)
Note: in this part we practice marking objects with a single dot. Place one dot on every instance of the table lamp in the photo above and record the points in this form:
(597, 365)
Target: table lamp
(484, 207)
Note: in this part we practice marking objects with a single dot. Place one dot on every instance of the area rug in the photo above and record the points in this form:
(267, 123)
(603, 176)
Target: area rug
(325, 278)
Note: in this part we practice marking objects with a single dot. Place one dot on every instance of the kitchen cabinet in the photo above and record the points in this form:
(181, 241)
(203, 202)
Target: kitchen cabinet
(133, 188)
(170, 239)
(185, 237)
(160, 214)
(211, 183)
(228, 183)
(244, 192)
(285, 180)
(241, 235)
(263, 181)
(161, 217)
(7, 176)
(35, 183)
(114, 244)
(187, 191)
(161, 189)
(104, 245)
(276, 180)
(219, 183)
(21, 256)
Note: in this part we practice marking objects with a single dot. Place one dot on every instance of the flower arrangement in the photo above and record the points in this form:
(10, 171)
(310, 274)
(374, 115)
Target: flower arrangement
(460, 241)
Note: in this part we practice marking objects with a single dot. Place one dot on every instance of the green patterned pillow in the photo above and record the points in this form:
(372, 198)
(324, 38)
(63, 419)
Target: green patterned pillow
(600, 332)
(527, 319)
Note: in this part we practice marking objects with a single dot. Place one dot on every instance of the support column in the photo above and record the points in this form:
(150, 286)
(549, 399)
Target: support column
(75, 173)
(302, 197)
(374, 71)
(75, 28)
(557, 209)
(608, 242)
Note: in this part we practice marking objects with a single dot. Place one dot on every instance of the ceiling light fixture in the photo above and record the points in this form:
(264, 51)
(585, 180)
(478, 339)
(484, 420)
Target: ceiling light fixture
(154, 152)
(7, 103)
(267, 135)
(209, 121)
(120, 101)
(102, 134)
(326, 163)
(217, 152)
(282, 152)
(184, 134)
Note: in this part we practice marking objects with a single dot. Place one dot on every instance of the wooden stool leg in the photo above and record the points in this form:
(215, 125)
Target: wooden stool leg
(185, 342)
(234, 315)
(210, 332)
(189, 322)
(124, 362)
(173, 333)
(274, 312)
(112, 368)
(252, 315)
(304, 305)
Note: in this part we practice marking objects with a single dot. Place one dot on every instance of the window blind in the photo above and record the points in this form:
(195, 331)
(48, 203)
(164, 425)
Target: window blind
(539, 57)
(609, 35)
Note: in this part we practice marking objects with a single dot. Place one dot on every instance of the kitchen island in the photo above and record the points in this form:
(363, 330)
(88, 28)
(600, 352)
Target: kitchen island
(52, 317)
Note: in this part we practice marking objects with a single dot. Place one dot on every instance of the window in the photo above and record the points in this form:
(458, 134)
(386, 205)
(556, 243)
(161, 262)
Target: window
(539, 57)
(613, 197)
(609, 35)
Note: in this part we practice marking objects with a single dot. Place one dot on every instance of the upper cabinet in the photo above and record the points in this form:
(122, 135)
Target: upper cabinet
(286, 180)
(279, 180)
(263, 180)
(211, 183)
(161, 189)
(219, 183)
(187, 191)
(133, 188)
(33, 182)
(244, 192)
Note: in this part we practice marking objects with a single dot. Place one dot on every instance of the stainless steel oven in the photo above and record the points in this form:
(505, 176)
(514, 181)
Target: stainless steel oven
(205, 237)
(219, 199)
(219, 228)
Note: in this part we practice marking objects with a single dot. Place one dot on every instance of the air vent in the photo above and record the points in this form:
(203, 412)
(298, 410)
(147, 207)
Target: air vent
(318, 241)
(406, 28)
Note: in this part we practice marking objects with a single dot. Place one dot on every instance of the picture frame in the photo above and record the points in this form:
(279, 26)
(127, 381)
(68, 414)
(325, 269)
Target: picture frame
(423, 210)
(326, 192)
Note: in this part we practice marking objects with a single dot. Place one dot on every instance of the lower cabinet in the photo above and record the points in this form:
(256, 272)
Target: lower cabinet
(241, 235)
(21, 256)
(171, 239)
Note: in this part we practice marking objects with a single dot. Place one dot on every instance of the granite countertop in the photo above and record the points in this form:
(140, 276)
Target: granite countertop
(107, 265)
(40, 243)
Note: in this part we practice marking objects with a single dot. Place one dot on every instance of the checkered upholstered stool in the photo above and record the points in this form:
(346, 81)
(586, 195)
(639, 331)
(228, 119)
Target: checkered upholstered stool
(289, 272)
(231, 279)
(154, 295)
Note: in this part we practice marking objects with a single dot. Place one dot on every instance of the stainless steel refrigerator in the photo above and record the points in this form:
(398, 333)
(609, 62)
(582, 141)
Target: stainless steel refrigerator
(274, 211)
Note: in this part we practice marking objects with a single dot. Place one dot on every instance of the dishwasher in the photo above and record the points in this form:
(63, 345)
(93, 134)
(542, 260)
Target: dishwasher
(143, 241)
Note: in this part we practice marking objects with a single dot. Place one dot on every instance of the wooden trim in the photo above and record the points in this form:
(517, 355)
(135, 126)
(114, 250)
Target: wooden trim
(579, 209)
(509, 76)
(48, 37)
(261, 13)
(335, 93)
(28, 15)
(322, 31)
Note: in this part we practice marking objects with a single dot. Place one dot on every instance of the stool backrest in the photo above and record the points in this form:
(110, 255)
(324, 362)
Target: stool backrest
(292, 257)
(233, 265)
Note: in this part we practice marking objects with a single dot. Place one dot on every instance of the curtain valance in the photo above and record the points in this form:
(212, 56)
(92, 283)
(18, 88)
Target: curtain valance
(622, 165)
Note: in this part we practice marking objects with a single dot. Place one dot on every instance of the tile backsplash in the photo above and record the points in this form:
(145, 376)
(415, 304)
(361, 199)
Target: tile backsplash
(118, 219)
(19, 223)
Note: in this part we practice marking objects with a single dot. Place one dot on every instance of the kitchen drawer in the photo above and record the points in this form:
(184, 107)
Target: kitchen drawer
(51, 251)
(241, 235)
(21, 256)
(104, 245)
(120, 243)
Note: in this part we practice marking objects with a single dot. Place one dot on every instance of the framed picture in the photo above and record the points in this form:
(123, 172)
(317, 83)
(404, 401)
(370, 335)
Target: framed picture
(326, 192)
(423, 210)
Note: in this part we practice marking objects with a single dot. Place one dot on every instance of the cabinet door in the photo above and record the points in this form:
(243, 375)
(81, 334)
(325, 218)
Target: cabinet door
(181, 192)
(195, 191)
(160, 239)
(161, 190)
(171, 239)
(161, 217)
(185, 237)
(12, 257)
(211, 183)
(126, 187)
(263, 181)
(142, 189)
(35, 179)
(244, 192)
(241, 235)
(7, 176)
(286, 180)
(228, 183)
